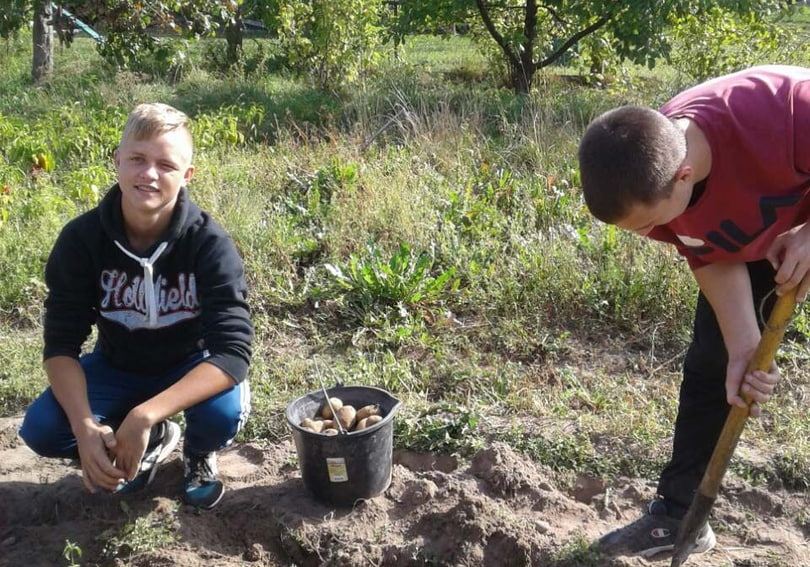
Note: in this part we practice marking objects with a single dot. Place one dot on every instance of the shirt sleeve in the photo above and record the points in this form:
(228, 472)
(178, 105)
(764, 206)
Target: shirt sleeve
(227, 329)
(70, 304)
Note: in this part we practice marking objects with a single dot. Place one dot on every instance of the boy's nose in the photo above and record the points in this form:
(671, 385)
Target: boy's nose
(149, 172)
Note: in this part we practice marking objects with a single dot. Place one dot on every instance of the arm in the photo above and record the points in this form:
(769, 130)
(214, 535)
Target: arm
(68, 317)
(93, 440)
(727, 287)
(789, 253)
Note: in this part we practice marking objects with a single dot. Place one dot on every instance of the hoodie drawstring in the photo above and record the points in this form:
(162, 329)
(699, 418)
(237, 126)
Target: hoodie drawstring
(148, 279)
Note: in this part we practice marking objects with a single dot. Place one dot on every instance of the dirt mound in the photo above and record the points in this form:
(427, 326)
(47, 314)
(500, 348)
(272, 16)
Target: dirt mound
(499, 509)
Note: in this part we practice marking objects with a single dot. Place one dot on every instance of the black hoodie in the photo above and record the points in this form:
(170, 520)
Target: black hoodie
(197, 300)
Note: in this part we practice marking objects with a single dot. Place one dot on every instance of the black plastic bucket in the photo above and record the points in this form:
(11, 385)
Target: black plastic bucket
(343, 468)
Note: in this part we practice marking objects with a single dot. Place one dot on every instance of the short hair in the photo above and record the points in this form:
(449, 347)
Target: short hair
(153, 119)
(629, 155)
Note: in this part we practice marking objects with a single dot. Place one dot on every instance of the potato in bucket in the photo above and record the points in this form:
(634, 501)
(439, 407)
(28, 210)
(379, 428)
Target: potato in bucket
(340, 468)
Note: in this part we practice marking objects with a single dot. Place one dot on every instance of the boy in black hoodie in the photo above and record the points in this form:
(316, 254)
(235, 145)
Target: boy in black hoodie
(165, 287)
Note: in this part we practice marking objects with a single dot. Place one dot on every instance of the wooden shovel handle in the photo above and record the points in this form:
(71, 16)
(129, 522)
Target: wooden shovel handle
(762, 360)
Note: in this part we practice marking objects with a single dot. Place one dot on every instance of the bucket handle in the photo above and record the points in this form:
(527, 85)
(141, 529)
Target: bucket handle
(341, 430)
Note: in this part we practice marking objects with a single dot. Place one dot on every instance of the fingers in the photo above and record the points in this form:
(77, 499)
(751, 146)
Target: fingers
(732, 390)
(784, 277)
(759, 385)
(108, 436)
(100, 475)
(110, 473)
(88, 484)
(129, 465)
(101, 471)
(773, 255)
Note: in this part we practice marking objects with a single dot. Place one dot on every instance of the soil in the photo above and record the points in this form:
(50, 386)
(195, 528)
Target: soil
(498, 509)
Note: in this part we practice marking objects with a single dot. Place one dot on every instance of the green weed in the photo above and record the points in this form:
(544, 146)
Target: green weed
(577, 552)
(72, 553)
(444, 428)
(141, 535)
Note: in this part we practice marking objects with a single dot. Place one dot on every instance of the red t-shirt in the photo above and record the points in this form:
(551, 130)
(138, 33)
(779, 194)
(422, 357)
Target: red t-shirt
(757, 123)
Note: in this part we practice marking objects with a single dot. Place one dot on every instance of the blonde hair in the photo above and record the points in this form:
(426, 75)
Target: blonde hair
(153, 119)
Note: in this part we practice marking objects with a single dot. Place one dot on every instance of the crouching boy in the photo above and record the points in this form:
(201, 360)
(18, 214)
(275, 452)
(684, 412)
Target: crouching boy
(164, 285)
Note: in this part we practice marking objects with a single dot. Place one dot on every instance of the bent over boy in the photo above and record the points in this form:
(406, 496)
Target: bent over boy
(721, 172)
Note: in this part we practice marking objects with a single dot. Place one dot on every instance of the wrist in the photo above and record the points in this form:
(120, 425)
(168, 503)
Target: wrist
(742, 349)
(143, 416)
(84, 426)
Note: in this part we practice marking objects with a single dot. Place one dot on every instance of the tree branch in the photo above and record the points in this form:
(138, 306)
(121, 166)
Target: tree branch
(554, 14)
(530, 22)
(571, 41)
(483, 9)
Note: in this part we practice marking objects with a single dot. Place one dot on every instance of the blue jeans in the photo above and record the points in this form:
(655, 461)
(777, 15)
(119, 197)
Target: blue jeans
(210, 425)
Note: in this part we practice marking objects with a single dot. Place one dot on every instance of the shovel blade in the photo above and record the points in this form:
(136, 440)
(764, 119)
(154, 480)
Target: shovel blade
(692, 523)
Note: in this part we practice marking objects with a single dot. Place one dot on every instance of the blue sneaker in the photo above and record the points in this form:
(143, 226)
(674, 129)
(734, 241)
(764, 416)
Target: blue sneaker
(165, 436)
(201, 488)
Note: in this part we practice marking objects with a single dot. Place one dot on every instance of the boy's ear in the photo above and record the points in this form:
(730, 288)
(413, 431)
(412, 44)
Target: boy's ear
(116, 158)
(685, 173)
(187, 176)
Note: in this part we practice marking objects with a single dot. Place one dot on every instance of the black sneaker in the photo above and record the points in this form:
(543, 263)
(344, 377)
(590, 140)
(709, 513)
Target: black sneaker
(200, 485)
(164, 438)
(652, 534)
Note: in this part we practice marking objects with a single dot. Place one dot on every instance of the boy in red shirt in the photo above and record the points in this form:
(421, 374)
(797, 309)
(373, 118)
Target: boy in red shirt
(722, 172)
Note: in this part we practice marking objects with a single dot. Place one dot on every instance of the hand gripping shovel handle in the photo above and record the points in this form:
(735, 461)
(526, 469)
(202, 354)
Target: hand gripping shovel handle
(735, 422)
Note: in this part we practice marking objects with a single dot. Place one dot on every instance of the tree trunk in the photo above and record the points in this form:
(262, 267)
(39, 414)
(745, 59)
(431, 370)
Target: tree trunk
(521, 78)
(233, 34)
(42, 62)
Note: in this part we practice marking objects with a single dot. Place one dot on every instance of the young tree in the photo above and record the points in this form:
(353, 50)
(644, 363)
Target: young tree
(43, 35)
(331, 41)
(128, 25)
(532, 34)
(16, 14)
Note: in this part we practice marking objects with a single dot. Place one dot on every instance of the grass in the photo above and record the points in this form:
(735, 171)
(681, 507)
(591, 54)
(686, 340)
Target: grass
(548, 330)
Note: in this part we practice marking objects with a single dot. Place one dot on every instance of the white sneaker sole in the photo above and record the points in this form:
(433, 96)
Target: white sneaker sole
(707, 543)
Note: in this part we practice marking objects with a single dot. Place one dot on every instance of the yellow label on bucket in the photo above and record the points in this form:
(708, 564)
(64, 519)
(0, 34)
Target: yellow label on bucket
(337, 470)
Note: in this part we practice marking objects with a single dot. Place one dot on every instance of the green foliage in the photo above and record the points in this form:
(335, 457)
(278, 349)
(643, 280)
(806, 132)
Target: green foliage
(371, 282)
(228, 125)
(719, 41)
(444, 428)
(331, 41)
(72, 553)
(793, 468)
(633, 31)
(14, 15)
(84, 185)
(140, 535)
(578, 552)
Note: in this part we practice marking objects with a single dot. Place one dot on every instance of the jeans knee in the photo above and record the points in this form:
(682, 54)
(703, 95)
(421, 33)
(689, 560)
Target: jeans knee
(221, 420)
(38, 437)
(211, 426)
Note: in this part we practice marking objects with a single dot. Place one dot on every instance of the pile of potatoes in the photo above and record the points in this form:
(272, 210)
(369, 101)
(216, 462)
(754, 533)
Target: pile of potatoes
(350, 418)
